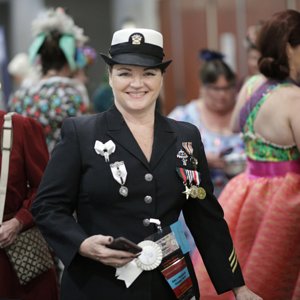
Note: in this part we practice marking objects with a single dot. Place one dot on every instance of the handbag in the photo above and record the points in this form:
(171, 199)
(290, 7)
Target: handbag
(29, 254)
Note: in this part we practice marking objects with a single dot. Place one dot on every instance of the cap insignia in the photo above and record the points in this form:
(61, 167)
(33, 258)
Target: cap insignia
(136, 39)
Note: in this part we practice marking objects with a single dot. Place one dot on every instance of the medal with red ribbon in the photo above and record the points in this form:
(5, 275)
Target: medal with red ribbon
(194, 180)
(182, 174)
(188, 147)
(191, 181)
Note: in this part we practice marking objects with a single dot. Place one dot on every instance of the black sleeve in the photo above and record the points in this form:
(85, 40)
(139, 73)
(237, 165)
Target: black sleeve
(53, 208)
(205, 219)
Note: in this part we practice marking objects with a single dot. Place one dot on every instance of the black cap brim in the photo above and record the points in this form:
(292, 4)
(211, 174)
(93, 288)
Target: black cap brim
(135, 59)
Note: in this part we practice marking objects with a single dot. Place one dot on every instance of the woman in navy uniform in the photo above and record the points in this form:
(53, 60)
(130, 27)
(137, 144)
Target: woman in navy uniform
(129, 172)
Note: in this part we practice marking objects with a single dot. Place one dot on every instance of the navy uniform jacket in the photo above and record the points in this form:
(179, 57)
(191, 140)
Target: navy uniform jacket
(77, 179)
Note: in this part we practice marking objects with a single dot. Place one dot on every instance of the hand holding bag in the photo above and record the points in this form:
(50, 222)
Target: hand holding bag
(29, 253)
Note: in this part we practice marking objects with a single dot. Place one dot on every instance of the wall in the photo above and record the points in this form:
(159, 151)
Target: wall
(187, 26)
(21, 14)
(142, 13)
(190, 25)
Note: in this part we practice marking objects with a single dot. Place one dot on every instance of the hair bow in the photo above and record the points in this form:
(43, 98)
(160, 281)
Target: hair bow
(208, 55)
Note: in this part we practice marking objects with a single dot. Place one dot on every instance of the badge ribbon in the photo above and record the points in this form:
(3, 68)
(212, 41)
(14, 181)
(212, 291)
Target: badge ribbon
(188, 147)
(105, 149)
(119, 173)
(182, 174)
(148, 260)
(165, 250)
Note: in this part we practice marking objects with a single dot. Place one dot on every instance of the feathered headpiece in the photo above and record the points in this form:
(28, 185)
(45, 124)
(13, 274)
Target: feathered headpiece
(57, 19)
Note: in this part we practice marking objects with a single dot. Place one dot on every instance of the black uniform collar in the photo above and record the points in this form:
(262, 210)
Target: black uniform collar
(164, 136)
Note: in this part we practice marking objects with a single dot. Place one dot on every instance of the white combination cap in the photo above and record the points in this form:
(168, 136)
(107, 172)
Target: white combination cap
(137, 46)
(150, 36)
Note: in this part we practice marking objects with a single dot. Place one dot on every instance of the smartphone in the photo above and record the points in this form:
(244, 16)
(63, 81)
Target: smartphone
(226, 151)
(121, 243)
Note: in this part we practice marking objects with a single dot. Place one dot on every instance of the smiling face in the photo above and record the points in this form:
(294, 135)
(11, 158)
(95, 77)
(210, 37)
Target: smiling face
(135, 88)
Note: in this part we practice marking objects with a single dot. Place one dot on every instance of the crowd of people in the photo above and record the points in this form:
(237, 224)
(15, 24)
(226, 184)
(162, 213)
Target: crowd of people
(205, 200)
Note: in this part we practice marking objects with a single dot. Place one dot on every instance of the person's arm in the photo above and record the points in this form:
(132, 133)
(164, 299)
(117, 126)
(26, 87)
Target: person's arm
(57, 196)
(36, 157)
(30, 143)
(205, 219)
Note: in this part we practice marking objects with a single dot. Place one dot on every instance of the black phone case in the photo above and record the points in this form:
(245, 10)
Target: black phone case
(124, 244)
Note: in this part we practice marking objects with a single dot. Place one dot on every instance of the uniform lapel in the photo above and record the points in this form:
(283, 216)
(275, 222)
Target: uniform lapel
(119, 131)
(164, 138)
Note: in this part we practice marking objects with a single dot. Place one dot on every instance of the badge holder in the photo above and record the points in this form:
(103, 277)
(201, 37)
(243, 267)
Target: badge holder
(174, 245)
(163, 250)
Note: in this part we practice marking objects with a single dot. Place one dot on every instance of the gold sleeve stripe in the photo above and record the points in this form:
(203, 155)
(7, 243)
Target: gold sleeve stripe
(234, 267)
(233, 261)
(232, 254)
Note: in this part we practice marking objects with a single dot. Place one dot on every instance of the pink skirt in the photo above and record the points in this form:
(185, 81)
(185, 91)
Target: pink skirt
(263, 215)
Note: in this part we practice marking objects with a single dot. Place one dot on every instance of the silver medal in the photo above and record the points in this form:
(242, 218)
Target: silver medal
(119, 173)
(123, 191)
(183, 156)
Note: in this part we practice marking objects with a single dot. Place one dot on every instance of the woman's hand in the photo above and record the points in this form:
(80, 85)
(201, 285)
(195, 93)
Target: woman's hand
(9, 231)
(94, 247)
(243, 293)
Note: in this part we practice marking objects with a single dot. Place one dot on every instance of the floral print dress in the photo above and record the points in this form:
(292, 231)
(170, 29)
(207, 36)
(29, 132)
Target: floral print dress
(49, 102)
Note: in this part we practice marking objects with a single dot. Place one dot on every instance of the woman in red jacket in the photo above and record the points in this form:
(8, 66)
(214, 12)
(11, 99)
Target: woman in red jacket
(28, 159)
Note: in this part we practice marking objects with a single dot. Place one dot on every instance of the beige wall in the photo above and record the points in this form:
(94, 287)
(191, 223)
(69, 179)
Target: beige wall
(190, 25)
(187, 25)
